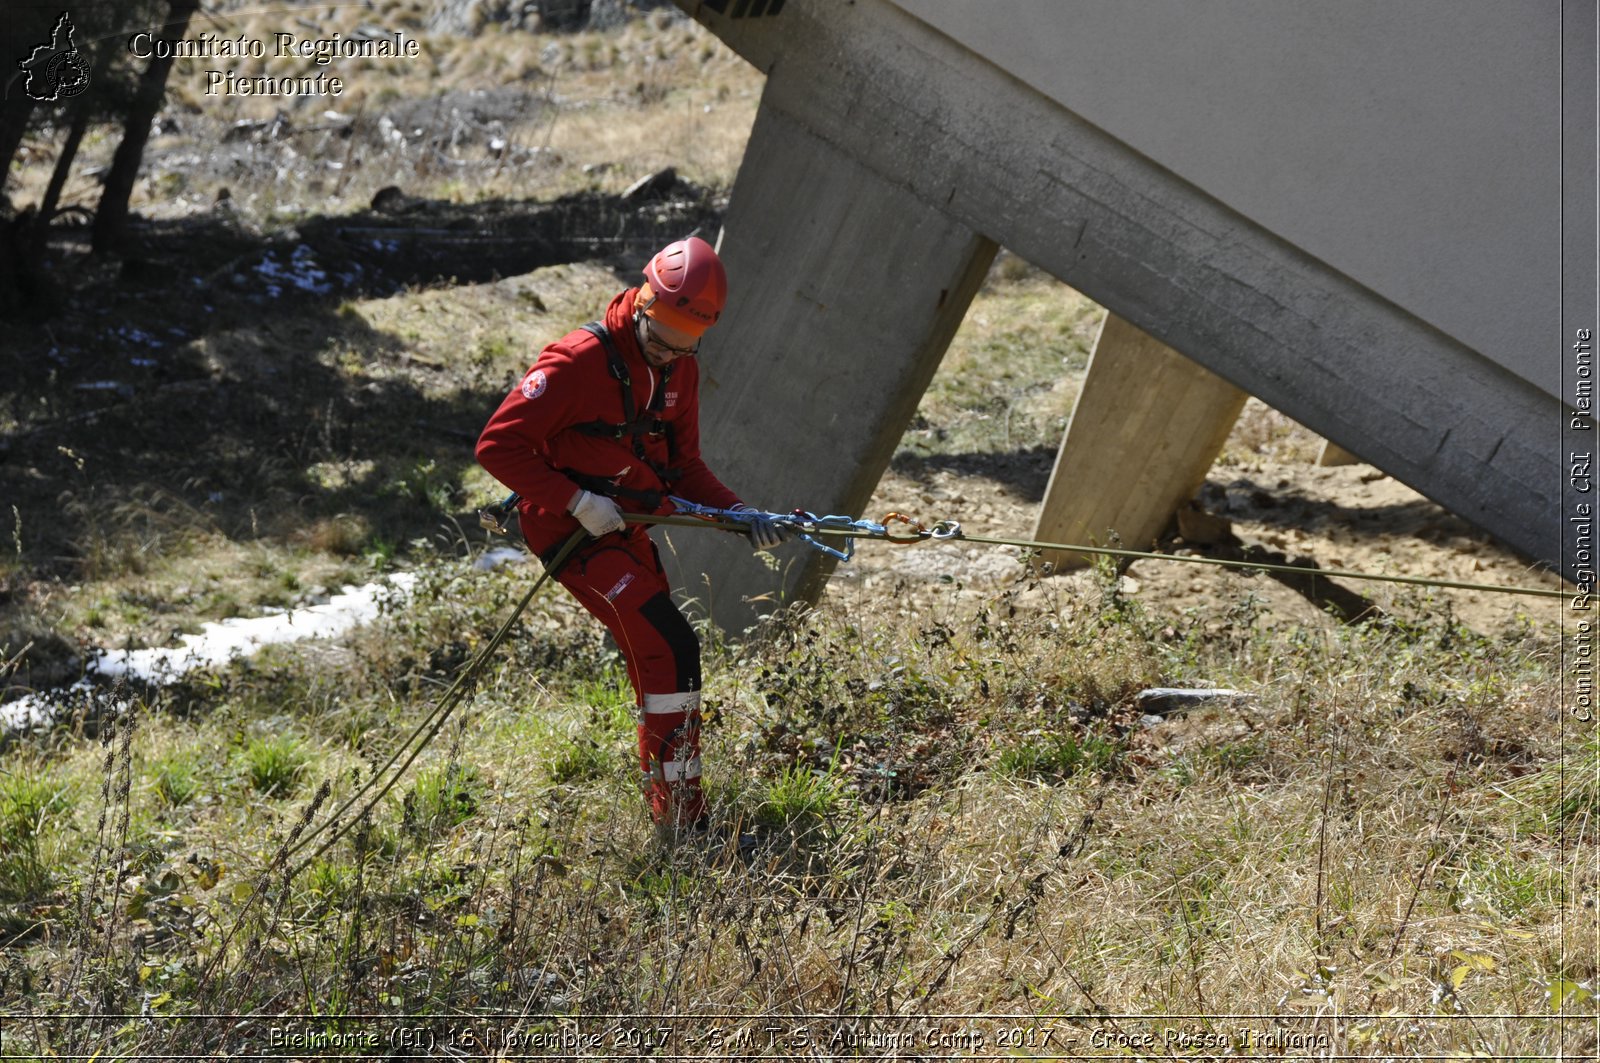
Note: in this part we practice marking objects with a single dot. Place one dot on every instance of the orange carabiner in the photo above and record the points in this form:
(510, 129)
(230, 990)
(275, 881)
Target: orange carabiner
(915, 537)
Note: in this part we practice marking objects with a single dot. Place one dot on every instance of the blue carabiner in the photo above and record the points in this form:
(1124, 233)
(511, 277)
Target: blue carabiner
(804, 523)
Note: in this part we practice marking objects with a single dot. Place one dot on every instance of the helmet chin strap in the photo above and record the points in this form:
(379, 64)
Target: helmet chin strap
(641, 337)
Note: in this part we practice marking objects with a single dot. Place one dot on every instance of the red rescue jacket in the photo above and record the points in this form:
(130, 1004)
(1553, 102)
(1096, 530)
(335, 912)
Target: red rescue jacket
(532, 442)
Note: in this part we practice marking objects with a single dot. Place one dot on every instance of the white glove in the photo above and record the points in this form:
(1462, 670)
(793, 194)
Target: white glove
(765, 533)
(597, 513)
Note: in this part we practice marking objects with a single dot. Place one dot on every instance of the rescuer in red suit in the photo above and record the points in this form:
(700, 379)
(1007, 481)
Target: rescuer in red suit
(606, 422)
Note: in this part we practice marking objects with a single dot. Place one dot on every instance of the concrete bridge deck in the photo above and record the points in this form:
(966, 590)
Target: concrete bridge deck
(1353, 212)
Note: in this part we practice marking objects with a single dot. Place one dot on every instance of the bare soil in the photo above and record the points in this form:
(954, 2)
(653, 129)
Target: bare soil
(1352, 518)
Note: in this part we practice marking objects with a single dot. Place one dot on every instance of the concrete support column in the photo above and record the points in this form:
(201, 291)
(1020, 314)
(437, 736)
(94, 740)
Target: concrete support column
(844, 290)
(1144, 432)
(1333, 454)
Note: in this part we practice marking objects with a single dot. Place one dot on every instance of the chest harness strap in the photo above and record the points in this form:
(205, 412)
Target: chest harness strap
(636, 426)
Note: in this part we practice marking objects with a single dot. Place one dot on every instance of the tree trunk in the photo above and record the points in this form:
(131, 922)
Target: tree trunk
(13, 289)
(26, 288)
(14, 115)
(58, 178)
(111, 218)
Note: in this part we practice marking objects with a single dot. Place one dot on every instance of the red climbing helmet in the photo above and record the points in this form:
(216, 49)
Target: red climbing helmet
(685, 286)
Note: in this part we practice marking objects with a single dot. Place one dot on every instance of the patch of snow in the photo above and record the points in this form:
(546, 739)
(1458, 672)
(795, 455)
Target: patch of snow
(139, 336)
(33, 710)
(217, 644)
(500, 555)
(301, 271)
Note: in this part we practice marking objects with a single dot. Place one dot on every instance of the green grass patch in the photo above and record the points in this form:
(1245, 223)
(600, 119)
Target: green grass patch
(274, 765)
(800, 796)
(581, 760)
(1058, 756)
(1565, 793)
(176, 778)
(33, 806)
(442, 799)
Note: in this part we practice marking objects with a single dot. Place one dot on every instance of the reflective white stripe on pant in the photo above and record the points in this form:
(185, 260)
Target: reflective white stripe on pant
(677, 770)
(681, 702)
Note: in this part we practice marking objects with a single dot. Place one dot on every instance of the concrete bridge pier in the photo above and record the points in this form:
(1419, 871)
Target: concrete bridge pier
(1146, 428)
(845, 289)
(1386, 276)
(1333, 454)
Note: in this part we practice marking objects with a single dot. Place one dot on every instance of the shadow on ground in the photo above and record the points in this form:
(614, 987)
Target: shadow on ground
(1287, 507)
(1025, 473)
(122, 431)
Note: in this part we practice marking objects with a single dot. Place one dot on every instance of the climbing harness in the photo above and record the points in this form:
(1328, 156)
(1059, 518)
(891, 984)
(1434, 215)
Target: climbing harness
(635, 426)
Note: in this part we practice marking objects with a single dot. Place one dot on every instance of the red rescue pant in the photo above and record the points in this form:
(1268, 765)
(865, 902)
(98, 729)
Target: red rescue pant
(619, 579)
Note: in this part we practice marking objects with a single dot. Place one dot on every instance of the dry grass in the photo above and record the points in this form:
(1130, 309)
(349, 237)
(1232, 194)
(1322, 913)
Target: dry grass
(1262, 432)
(1337, 853)
(598, 110)
(1341, 850)
(955, 807)
(1012, 371)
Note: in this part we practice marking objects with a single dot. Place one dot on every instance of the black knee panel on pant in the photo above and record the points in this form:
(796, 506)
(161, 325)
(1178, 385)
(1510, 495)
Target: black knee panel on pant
(666, 618)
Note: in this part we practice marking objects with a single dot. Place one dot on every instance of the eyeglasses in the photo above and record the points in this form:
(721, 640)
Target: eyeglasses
(651, 337)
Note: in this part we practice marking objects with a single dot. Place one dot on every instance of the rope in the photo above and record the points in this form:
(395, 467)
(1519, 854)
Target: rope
(808, 526)
(432, 723)
(947, 532)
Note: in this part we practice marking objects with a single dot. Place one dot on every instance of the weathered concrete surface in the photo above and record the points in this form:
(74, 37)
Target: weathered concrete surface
(1414, 147)
(1144, 432)
(844, 292)
(1580, 259)
(898, 103)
